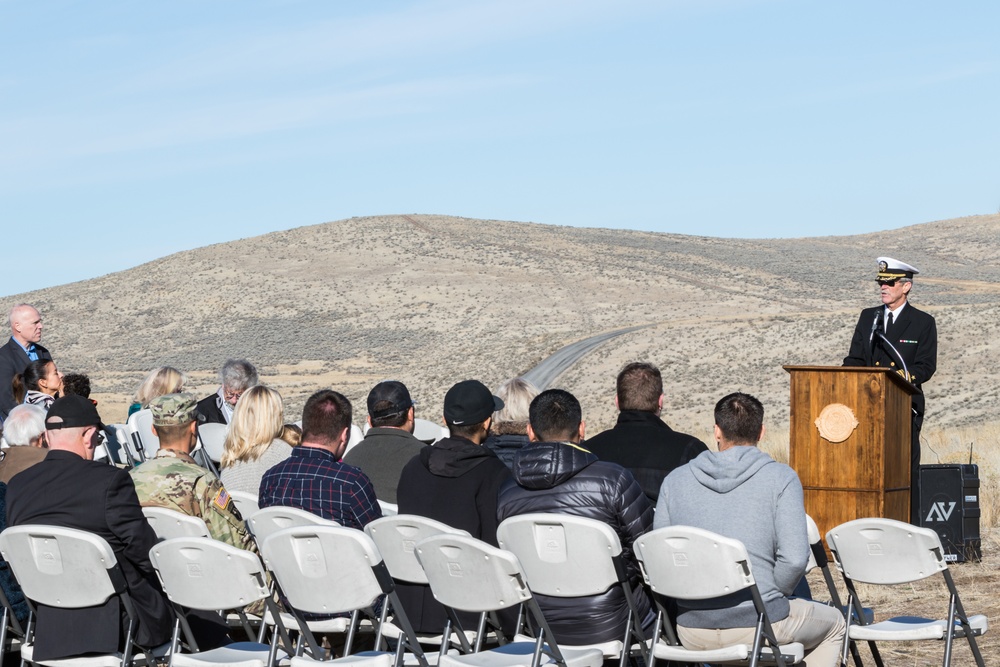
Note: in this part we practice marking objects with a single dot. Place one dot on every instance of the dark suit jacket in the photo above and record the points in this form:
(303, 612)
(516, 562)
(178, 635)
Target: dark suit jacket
(644, 444)
(914, 335)
(13, 360)
(67, 490)
(209, 409)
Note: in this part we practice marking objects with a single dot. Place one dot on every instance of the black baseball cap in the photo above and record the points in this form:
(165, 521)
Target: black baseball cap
(72, 411)
(470, 402)
(387, 398)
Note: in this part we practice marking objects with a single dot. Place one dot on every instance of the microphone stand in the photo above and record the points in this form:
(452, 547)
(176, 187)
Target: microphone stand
(906, 372)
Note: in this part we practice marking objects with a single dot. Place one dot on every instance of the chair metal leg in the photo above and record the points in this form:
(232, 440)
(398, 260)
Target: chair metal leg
(950, 629)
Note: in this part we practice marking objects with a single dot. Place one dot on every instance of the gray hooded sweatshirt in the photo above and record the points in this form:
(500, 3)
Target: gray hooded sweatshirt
(744, 494)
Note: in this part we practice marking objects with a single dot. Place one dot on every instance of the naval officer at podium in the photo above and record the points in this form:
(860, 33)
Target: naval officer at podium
(898, 336)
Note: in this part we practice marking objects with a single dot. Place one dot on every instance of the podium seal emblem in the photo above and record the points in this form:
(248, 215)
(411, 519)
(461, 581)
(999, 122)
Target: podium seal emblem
(836, 422)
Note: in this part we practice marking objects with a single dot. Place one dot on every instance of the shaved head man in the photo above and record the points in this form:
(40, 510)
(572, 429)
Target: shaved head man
(22, 348)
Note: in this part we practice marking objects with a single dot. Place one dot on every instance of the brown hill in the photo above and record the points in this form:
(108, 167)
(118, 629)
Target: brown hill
(432, 299)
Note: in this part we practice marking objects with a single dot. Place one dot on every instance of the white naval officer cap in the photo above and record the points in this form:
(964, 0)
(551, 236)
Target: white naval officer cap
(892, 269)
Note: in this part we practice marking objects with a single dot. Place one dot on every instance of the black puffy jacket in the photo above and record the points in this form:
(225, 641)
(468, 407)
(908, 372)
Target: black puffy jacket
(565, 478)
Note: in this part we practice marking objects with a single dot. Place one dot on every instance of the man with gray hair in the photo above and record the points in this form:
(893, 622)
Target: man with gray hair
(24, 432)
(236, 376)
(22, 348)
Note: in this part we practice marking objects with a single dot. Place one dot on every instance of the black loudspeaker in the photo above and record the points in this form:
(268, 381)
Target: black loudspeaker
(949, 505)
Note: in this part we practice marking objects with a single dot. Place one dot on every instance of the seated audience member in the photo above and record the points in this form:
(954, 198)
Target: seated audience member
(160, 382)
(742, 493)
(292, 434)
(172, 479)
(236, 376)
(455, 481)
(24, 432)
(313, 478)
(509, 431)
(68, 488)
(39, 384)
(253, 444)
(555, 474)
(641, 441)
(389, 444)
(76, 383)
(22, 348)
(11, 589)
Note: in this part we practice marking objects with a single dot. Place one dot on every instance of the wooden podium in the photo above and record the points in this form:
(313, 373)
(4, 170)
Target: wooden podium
(850, 442)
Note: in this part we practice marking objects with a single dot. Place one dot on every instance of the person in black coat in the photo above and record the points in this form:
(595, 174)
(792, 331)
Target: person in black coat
(235, 377)
(556, 474)
(456, 481)
(641, 441)
(22, 348)
(910, 340)
(69, 489)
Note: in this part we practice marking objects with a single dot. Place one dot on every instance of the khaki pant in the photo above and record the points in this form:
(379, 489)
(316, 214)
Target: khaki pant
(819, 628)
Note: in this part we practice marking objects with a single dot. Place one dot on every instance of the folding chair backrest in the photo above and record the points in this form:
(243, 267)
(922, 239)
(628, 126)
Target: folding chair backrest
(324, 569)
(270, 520)
(142, 424)
(396, 538)
(562, 555)
(357, 435)
(213, 437)
(246, 503)
(129, 450)
(201, 573)
(61, 567)
(693, 564)
(469, 575)
(812, 530)
(427, 431)
(883, 551)
(168, 523)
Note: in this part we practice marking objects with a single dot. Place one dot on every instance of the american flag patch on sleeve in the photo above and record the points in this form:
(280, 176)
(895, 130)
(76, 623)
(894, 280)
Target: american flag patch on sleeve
(222, 499)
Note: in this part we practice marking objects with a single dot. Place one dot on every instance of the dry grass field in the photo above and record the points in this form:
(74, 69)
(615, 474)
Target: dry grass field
(431, 300)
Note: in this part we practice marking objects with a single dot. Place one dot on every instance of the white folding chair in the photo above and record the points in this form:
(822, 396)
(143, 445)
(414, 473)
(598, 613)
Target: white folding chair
(396, 537)
(270, 520)
(571, 557)
(167, 523)
(246, 503)
(687, 563)
(886, 552)
(69, 569)
(207, 575)
(327, 570)
(213, 438)
(428, 431)
(357, 435)
(818, 560)
(388, 509)
(11, 629)
(130, 447)
(469, 575)
(145, 441)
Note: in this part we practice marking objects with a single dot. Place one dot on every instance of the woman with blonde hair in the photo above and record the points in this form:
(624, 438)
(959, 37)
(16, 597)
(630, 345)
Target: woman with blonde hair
(253, 444)
(509, 432)
(160, 382)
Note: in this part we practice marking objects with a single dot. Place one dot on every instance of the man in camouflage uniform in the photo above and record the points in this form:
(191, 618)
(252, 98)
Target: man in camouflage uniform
(173, 480)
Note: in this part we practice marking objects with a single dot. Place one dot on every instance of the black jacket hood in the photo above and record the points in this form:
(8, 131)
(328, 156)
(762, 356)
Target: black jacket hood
(453, 457)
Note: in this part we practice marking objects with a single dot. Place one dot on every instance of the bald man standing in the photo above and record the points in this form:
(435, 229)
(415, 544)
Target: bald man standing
(22, 348)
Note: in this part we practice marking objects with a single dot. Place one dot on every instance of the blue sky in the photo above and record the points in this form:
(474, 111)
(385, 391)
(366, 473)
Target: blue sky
(131, 130)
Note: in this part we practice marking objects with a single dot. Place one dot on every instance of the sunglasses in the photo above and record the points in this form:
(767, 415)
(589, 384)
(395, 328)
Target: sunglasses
(888, 283)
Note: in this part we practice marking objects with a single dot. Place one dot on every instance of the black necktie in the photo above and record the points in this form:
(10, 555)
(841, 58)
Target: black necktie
(888, 326)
